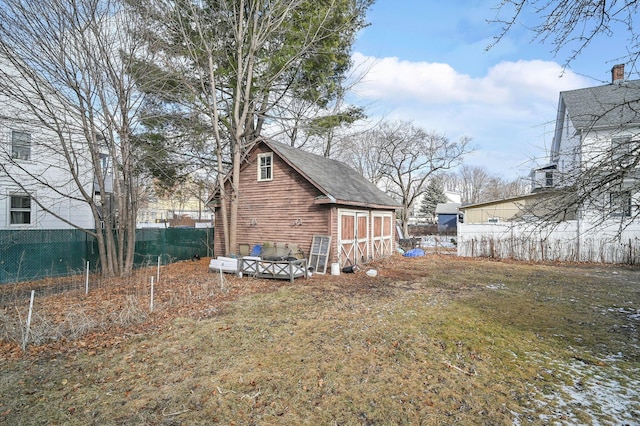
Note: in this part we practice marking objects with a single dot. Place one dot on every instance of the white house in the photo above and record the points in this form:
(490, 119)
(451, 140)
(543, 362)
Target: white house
(37, 190)
(595, 159)
(416, 217)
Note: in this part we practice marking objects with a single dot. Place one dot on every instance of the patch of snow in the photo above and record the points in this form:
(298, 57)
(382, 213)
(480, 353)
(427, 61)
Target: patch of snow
(498, 286)
(606, 394)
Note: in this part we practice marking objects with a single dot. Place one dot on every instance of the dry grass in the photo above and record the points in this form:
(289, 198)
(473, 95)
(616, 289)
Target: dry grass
(436, 340)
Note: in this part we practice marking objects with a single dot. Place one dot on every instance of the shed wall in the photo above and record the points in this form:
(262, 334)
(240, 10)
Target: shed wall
(278, 210)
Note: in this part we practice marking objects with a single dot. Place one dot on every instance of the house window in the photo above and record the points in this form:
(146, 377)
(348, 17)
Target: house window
(20, 210)
(265, 166)
(20, 145)
(620, 203)
(623, 151)
(548, 179)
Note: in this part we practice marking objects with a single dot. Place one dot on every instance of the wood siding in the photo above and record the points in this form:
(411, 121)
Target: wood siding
(278, 210)
(283, 210)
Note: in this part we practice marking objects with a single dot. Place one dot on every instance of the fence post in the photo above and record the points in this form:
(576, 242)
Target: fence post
(26, 333)
(151, 301)
(86, 284)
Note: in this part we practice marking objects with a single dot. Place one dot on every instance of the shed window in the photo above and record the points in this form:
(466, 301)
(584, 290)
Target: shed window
(20, 210)
(20, 145)
(265, 166)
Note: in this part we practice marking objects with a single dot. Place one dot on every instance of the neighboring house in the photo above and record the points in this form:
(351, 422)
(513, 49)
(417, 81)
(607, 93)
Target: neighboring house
(592, 122)
(597, 131)
(447, 214)
(288, 196)
(416, 217)
(33, 175)
(183, 207)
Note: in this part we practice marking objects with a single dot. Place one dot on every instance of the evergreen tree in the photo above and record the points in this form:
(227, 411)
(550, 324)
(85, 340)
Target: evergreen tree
(433, 194)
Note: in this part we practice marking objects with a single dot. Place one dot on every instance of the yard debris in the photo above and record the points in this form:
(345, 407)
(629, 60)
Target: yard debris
(177, 413)
(453, 367)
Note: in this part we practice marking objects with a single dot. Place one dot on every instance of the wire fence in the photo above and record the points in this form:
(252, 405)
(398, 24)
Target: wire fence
(67, 308)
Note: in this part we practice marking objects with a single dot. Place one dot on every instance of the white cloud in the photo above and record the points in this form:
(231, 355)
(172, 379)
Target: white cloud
(508, 112)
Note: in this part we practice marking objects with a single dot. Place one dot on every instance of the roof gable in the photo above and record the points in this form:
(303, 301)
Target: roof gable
(338, 182)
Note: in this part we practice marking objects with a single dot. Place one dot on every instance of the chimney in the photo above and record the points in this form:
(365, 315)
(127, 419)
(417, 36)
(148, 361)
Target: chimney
(617, 74)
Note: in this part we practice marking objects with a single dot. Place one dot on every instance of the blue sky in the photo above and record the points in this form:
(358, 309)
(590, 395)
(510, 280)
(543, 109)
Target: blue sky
(427, 62)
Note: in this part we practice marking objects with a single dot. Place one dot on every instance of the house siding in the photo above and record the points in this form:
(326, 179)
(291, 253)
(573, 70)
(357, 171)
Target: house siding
(54, 178)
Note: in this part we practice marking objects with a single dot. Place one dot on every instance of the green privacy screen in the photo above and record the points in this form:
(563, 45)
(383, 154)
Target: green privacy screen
(34, 254)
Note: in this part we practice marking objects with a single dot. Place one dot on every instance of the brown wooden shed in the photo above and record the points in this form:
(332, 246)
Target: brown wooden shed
(287, 196)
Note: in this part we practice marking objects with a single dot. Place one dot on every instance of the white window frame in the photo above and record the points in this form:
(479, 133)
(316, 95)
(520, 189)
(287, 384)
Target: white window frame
(622, 150)
(266, 168)
(620, 203)
(28, 210)
(21, 149)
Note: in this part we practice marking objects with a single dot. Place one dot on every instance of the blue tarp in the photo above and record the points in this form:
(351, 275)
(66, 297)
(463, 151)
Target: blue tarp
(416, 252)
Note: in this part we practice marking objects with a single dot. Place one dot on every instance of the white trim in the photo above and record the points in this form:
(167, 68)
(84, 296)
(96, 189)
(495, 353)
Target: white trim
(270, 167)
(382, 245)
(32, 212)
(354, 250)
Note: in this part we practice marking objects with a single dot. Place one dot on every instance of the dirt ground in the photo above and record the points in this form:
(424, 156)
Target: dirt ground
(432, 340)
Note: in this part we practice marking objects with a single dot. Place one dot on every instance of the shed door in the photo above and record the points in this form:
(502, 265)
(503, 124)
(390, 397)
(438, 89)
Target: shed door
(353, 237)
(382, 237)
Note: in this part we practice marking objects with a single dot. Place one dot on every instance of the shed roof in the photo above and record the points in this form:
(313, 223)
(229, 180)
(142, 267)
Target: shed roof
(338, 182)
(607, 106)
(482, 204)
(447, 208)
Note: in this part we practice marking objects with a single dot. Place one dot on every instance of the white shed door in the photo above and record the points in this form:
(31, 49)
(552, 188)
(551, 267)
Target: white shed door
(382, 234)
(353, 237)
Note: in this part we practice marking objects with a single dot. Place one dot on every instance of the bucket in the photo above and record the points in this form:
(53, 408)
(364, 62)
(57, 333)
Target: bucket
(335, 269)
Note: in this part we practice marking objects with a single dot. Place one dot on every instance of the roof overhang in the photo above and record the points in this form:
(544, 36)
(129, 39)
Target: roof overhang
(331, 200)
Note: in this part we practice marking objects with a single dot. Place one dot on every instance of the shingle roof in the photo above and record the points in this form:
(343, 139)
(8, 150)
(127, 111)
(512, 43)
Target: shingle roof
(608, 106)
(333, 178)
(447, 208)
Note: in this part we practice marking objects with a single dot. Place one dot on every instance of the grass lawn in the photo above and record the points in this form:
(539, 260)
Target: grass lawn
(429, 341)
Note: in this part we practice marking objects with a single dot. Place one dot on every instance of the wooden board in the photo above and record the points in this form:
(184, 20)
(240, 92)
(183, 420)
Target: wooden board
(319, 254)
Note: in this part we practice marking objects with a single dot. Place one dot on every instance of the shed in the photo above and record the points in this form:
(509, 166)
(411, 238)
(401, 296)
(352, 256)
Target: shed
(447, 214)
(287, 196)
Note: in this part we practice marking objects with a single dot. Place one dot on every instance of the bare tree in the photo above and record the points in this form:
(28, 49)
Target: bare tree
(70, 60)
(475, 185)
(408, 157)
(365, 155)
(473, 181)
(573, 24)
